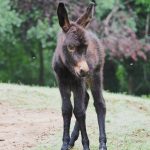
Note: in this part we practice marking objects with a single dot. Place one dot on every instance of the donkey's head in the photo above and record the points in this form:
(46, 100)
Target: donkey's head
(75, 43)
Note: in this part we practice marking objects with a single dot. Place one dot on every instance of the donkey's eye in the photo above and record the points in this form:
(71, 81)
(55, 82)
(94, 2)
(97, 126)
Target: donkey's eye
(71, 48)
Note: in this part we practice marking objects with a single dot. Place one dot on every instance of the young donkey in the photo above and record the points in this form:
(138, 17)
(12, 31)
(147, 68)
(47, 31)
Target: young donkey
(79, 58)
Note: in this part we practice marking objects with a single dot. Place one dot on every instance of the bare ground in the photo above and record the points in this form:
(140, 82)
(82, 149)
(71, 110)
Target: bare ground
(22, 129)
(30, 119)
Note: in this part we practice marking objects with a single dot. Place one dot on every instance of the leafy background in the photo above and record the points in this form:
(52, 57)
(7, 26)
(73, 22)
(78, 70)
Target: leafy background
(28, 34)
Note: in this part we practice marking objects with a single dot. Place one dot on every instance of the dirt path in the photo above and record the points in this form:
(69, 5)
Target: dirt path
(22, 129)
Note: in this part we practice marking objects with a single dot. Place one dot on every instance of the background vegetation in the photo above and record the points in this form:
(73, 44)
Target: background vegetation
(28, 32)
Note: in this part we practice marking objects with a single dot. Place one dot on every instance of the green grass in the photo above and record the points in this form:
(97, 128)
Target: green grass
(127, 120)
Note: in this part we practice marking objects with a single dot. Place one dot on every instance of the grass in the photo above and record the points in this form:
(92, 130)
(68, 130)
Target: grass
(127, 120)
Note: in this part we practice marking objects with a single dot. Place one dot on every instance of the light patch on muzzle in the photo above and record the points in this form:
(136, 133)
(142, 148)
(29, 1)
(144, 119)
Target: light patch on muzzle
(81, 67)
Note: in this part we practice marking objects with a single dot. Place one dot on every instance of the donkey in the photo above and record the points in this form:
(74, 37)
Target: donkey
(78, 60)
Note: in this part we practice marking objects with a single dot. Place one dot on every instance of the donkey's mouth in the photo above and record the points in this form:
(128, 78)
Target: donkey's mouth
(81, 69)
(82, 74)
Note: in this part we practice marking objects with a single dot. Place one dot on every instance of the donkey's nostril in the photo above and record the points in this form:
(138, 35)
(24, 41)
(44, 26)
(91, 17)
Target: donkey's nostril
(82, 68)
(83, 73)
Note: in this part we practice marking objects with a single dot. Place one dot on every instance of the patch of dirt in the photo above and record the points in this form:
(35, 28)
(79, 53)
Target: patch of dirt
(22, 129)
(138, 106)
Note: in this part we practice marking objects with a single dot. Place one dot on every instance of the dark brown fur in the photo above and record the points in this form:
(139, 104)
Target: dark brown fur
(78, 59)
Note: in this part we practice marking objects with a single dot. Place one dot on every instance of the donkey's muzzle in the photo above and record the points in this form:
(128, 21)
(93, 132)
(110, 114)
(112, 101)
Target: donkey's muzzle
(83, 73)
(82, 69)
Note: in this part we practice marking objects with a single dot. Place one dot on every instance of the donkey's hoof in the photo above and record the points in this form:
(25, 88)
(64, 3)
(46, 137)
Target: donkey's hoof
(103, 147)
(65, 146)
(70, 147)
(86, 148)
(71, 144)
(74, 137)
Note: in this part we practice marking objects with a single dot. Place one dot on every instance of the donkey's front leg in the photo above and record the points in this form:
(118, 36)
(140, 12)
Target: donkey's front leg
(66, 113)
(75, 132)
(79, 111)
(100, 107)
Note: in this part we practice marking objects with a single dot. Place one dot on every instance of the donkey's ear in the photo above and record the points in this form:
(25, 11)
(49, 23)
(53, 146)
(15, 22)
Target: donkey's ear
(63, 17)
(86, 18)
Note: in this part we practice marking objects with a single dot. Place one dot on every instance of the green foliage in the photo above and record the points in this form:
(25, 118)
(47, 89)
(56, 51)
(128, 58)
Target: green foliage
(47, 36)
(8, 19)
(145, 3)
(19, 68)
(53, 40)
(40, 32)
(103, 7)
(132, 24)
(54, 29)
(24, 33)
(44, 33)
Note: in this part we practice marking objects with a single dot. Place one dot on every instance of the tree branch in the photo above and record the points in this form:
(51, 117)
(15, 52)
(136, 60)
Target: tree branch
(116, 7)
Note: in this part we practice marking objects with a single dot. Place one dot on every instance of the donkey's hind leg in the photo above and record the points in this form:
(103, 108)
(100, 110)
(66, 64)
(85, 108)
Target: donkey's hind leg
(76, 130)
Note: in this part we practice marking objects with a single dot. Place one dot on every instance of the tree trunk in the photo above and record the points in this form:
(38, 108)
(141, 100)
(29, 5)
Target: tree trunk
(41, 66)
(130, 85)
(147, 25)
